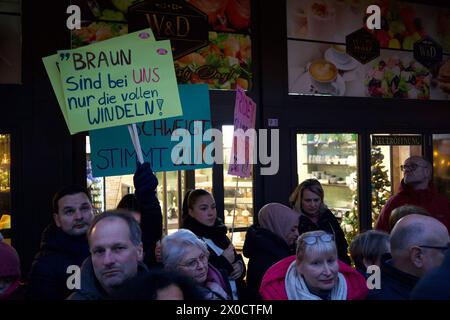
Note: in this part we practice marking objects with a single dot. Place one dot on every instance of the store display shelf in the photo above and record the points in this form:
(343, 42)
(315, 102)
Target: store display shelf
(329, 164)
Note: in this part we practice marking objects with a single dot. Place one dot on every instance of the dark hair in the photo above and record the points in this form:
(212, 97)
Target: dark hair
(133, 225)
(403, 211)
(69, 190)
(129, 202)
(191, 197)
(146, 287)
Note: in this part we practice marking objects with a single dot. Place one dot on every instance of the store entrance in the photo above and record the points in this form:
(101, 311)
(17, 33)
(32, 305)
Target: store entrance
(388, 152)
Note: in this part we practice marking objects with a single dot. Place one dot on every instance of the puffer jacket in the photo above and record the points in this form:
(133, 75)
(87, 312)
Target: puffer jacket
(273, 284)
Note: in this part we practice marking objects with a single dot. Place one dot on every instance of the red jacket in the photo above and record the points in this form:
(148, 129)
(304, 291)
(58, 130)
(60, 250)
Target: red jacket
(436, 204)
(273, 285)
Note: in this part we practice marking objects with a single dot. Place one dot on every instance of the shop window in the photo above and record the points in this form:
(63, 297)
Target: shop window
(332, 159)
(106, 192)
(238, 202)
(5, 189)
(388, 153)
(441, 163)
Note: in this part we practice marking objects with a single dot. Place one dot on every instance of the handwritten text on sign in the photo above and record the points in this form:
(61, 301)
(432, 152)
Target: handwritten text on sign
(113, 85)
(244, 119)
(112, 152)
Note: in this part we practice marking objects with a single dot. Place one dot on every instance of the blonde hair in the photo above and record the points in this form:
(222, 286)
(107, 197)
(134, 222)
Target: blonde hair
(313, 185)
(320, 247)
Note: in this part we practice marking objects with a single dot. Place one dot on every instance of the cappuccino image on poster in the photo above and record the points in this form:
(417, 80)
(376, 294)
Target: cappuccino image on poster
(394, 74)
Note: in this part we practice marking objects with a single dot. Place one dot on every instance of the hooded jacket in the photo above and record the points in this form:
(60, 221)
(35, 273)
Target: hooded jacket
(273, 284)
(436, 204)
(58, 250)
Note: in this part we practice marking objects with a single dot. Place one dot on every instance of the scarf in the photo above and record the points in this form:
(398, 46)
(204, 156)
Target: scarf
(297, 289)
(217, 233)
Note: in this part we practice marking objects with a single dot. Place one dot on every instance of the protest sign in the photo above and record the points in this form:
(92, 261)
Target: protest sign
(112, 152)
(52, 67)
(242, 149)
(112, 85)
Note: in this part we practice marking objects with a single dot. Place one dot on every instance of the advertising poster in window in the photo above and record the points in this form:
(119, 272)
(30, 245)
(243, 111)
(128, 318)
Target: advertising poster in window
(223, 61)
(319, 64)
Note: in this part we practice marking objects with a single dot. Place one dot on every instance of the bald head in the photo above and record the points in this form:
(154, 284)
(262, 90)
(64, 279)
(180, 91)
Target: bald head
(408, 238)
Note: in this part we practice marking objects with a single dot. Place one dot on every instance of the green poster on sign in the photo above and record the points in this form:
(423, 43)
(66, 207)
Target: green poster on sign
(51, 65)
(52, 68)
(117, 84)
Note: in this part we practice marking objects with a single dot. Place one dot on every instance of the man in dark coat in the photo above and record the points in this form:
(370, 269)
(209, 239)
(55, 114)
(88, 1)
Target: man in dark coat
(116, 256)
(436, 284)
(416, 189)
(64, 241)
(63, 244)
(414, 240)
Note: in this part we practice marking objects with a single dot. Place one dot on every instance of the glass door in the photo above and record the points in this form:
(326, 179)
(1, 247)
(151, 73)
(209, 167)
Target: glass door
(5, 189)
(388, 153)
(331, 158)
(441, 163)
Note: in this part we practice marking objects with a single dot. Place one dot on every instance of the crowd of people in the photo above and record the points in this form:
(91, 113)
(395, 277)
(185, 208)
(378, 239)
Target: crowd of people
(295, 252)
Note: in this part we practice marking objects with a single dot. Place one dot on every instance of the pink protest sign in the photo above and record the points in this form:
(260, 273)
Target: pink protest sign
(243, 154)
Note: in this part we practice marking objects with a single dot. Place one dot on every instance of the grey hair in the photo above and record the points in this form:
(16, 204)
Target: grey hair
(133, 225)
(319, 247)
(175, 246)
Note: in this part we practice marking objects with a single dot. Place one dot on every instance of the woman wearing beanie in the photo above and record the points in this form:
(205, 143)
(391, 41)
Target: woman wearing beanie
(10, 283)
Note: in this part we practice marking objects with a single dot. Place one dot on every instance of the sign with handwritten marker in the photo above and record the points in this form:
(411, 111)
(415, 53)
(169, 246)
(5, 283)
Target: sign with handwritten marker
(244, 119)
(52, 67)
(112, 152)
(116, 84)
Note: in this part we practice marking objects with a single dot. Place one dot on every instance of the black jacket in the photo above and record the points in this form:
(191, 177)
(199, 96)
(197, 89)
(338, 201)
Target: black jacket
(146, 183)
(435, 285)
(328, 223)
(263, 248)
(395, 284)
(151, 227)
(91, 288)
(58, 250)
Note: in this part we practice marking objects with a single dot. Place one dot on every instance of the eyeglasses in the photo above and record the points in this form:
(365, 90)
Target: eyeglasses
(444, 249)
(410, 167)
(195, 263)
(313, 239)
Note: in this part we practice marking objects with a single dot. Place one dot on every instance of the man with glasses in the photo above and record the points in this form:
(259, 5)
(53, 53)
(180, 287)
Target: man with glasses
(416, 189)
(436, 284)
(418, 245)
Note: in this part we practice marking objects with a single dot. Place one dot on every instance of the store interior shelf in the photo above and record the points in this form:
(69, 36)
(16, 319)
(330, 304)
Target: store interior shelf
(335, 185)
(238, 200)
(329, 164)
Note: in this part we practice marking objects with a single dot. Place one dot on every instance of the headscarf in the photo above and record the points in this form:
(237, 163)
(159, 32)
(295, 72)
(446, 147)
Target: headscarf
(278, 219)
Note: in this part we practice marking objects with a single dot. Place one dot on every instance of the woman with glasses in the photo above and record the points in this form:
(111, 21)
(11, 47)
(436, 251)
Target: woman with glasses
(182, 251)
(200, 216)
(307, 199)
(314, 273)
(268, 243)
